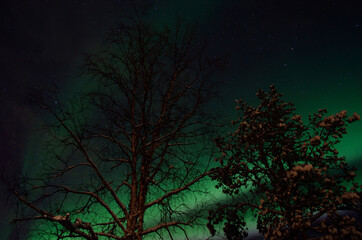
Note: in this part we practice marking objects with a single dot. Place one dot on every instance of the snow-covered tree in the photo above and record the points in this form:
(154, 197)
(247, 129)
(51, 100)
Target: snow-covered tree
(286, 173)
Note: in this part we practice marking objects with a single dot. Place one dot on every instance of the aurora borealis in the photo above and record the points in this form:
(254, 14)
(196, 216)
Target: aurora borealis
(310, 51)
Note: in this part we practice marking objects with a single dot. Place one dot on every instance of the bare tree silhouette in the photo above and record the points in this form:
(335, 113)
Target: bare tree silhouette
(132, 147)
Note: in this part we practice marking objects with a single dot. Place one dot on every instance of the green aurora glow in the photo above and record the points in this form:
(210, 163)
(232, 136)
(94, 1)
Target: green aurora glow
(335, 85)
(334, 98)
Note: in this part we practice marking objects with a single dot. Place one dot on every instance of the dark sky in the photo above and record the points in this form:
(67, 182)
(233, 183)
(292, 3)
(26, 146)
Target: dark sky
(311, 51)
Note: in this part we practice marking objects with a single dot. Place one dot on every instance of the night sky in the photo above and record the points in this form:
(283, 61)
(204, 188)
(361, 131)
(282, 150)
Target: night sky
(312, 52)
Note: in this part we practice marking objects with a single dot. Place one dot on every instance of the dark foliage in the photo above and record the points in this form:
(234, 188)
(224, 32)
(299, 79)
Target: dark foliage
(292, 172)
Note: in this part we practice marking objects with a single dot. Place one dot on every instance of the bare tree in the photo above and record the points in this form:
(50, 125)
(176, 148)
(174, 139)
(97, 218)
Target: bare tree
(286, 173)
(124, 157)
